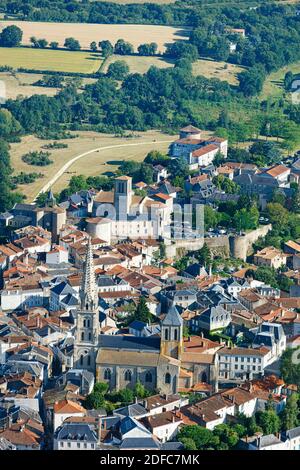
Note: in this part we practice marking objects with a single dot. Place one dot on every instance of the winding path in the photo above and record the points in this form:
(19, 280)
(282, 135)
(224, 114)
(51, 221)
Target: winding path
(67, 165)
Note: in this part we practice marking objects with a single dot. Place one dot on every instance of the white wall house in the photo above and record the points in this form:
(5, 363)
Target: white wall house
(239, 364)
(66, 409)
(166, 431)
(20, 298)
(57, 255)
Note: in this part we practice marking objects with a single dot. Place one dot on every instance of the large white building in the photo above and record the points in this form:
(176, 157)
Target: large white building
(120, 213)
(197, 151)
(240, 364)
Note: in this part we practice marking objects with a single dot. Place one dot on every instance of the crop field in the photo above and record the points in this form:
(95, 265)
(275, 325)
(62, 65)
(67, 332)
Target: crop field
(86, 33)
(98, 162)
(140, 64)
(221, 70)
(273, 86)
(48, 59)
(19, 84)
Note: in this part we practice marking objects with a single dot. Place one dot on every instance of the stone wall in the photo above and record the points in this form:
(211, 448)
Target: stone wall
(241, 245)
(237, 246)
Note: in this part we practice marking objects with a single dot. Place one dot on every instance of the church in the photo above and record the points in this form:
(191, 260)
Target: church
(123, 360)
(167, 363)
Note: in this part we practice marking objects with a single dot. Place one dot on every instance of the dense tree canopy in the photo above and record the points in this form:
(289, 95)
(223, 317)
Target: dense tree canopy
(11, 36)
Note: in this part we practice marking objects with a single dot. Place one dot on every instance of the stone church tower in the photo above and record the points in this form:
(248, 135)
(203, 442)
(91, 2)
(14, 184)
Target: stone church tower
(172, 334)
(87, 318)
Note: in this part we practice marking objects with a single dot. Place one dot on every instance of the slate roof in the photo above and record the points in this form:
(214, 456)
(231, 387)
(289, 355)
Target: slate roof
(128, 424)
(76, 432)
(292, 433)
(70, 300)
(150, 343)
(172, 318)
(269, 440)
(137, 325)
(63, 289)
(172, 446)
(133, 410)
(139, 443)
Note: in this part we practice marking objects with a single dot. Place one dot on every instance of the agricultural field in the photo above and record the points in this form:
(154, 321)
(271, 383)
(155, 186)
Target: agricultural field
(97, 162)
(19, 84)
(273, 86)
(221, 70)
(86, 33)
(140, 64)
(48, 59)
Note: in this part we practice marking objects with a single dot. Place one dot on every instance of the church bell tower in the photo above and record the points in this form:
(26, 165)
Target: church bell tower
(172, 334)
(87, 318)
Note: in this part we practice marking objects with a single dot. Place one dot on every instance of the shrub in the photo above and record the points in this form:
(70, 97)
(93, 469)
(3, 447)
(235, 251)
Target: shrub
(37, 158)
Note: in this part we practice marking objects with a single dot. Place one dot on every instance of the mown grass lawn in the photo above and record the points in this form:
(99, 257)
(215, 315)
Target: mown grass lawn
(140, 64)
(52, 60)
(217, 69)
(273, 86)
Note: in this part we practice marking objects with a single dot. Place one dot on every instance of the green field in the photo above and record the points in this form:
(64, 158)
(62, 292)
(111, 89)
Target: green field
(273, 86)
(222, 70)
(47, 59)
(139, 64)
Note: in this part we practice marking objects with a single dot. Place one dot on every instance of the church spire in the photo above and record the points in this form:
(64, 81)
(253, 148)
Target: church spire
(88, 291)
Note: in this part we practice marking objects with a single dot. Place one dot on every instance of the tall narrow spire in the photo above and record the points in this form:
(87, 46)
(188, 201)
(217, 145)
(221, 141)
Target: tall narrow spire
(88, 291)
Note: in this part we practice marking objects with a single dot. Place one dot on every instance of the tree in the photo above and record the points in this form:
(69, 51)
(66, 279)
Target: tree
(54, 45)
(33, 41)
(6, 198)
(246, 219)
(101, 387)
(211, 217)
(123, 47)
(106, 47)
(226, 434)
(9, 126)
(72, 44)
(295, 201)
(269, 421)
(188, 443)
(148, 49)
(277, 214)
(179, 50)
(218, 159)
(146, 173)
(77, 183)
(154, 157)
(178, 167)
(126, 396)
(204, 255)
(266, 275)
(251, 81)
(202, 437)
(139, 390)
(95, 400)
(289, 367)
(93, 46)
(225, 184)
(118, 70)
(288, 80)
(290, 413)
(224, 119)
(39, 43)
(41, 199)
(142, 312)
(11, 36)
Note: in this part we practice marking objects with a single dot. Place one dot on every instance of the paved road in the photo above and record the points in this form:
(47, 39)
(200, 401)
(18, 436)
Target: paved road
(67, 165)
